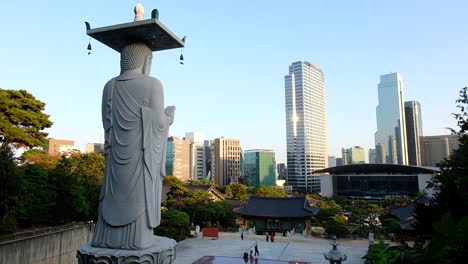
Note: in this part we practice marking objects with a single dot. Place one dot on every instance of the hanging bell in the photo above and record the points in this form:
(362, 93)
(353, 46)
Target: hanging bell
(181, 57)
(89, 48)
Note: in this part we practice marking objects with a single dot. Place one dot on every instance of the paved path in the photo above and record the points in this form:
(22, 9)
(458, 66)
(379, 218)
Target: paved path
(296, 248)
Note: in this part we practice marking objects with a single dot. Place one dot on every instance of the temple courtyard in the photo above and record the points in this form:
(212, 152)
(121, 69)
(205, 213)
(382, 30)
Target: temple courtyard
(229, 249)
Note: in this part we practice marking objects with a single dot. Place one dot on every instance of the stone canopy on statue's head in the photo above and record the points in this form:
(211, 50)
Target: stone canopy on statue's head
(149, 31)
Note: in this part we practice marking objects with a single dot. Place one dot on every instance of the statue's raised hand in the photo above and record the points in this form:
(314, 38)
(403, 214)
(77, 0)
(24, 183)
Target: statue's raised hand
(170, 110)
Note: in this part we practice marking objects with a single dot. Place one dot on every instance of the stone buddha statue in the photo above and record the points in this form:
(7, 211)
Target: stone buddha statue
(136, 126)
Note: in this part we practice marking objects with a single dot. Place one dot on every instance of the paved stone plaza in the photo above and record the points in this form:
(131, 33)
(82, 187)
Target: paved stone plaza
(289, 249)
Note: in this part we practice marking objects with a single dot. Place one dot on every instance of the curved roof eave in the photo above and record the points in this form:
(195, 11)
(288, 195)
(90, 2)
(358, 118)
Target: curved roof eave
(378, 168)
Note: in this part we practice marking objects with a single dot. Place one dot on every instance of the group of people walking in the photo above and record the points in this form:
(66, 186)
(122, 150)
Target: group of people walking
(253, 255)
(270, 237)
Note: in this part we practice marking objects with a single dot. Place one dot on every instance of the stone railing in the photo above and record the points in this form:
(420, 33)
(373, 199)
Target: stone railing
(50, 245)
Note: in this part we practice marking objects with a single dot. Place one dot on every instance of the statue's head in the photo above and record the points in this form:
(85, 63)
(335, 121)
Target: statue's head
(136, 56)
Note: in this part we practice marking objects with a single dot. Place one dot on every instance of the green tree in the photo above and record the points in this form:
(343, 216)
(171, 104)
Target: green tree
(174, 224)
(195, 205)
(202, 182)
(228, 191)
(77, 181)
(328, 209)
(9, 188)
(239, 191)
(35, 200)
(452, 183)
(40, 158)
(22, 121)
(176, 193)
(225, 217)
(270, 191)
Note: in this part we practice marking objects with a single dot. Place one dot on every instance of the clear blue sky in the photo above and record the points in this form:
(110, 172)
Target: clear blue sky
(237, 53)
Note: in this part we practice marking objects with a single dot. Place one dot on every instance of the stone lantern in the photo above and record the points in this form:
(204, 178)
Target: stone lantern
(334, 255)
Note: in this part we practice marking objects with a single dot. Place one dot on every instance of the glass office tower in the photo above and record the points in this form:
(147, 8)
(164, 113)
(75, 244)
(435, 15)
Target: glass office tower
(390, 138)
(259, 167)
(306, 126)
(413, 131)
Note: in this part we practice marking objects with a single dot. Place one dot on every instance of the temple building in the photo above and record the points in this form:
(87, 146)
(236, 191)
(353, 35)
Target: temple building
(271, 214)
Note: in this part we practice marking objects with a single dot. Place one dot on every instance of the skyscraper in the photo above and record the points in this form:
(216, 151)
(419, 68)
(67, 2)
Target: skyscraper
(372, 155)
(306, 125)
(413, 131)
(259, 167)
(390, 137)
(197, 156)
(178, 158)
(354, 155)
(227, 160)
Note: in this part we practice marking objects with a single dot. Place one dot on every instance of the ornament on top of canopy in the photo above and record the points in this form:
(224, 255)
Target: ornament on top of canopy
(150, 31)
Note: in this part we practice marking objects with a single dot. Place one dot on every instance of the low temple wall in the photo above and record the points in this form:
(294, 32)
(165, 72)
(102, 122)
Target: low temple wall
(51, 245)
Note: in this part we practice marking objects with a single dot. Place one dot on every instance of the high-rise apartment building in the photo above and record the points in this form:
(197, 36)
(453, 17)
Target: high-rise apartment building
(227, 161)
(59, 146)
(435, 149)
(413, 131)
(390, 137)
(259, 167)
(354, 155)
(178, 158)
(306, 125)
(197, 156)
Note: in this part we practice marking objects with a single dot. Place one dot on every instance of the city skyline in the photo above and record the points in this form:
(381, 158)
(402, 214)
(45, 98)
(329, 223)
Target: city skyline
(232, 82)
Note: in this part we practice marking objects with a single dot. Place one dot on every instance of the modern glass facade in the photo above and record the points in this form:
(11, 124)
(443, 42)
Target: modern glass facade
(375, 186)
(413, 131)
(259, 168)
(390, 137)
(306, 126)
(170, 158)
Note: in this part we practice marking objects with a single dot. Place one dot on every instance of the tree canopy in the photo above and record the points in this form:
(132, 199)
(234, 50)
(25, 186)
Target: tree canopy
(270, 191)
(239, 191)
(22, 120)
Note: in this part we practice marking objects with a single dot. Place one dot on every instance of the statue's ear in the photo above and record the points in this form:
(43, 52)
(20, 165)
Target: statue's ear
(147, 65)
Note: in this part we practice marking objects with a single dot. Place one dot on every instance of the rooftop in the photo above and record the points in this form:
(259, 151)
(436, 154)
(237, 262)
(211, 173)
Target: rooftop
(378, 168)
(286, 207)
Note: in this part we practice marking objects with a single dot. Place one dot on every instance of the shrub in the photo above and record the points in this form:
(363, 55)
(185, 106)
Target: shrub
(174, 224)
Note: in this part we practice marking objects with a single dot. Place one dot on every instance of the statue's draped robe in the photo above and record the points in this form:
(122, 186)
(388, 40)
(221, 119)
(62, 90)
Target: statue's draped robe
(135, 146)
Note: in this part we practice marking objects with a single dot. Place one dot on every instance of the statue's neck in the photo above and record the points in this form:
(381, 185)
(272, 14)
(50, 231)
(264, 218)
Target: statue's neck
(130, 74)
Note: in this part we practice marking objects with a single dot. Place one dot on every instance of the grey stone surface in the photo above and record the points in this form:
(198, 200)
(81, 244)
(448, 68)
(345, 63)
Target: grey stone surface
(163, 252)
(55, 246)
(295, 248)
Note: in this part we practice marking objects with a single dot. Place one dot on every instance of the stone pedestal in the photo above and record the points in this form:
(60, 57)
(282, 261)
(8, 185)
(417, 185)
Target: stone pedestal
(163, 252)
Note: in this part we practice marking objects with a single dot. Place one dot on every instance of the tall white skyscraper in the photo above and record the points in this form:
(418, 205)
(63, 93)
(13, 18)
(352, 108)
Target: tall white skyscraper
(306, 125)
(390, 137)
